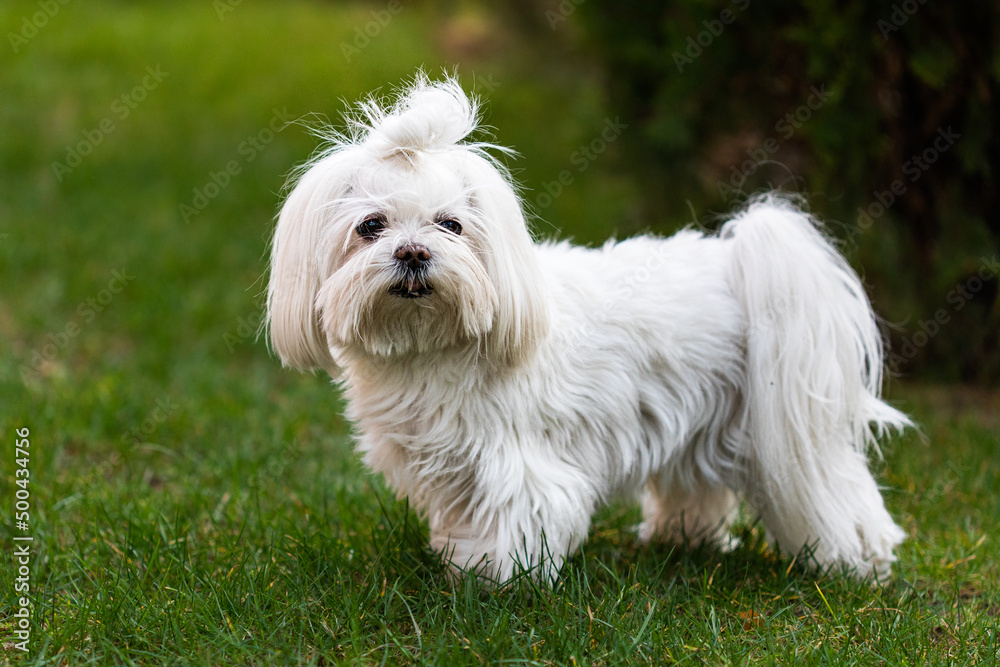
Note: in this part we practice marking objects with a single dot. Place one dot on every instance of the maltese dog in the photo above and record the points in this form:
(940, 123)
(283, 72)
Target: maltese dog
(509, 388)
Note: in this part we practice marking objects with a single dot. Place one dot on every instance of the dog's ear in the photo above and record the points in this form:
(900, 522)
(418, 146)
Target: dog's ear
(521, 317)
(292, 321)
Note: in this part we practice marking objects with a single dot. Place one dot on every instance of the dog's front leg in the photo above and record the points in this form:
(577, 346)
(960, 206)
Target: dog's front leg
(519, 518)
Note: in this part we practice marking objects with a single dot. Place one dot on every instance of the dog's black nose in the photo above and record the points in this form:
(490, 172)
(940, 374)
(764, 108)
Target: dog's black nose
(413, 255)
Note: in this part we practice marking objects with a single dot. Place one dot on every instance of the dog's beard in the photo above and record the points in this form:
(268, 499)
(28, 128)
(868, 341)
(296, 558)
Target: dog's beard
(385, 309)
(413, 285)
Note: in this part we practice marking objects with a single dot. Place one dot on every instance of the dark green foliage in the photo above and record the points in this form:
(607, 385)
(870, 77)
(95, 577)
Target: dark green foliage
(843, 102)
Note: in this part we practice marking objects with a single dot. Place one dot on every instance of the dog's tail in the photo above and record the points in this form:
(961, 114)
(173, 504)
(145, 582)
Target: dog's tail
(814, 375)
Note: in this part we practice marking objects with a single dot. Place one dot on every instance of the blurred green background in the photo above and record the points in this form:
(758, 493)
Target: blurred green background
(143, 152)
(883, 115)
(142, 137)
(144, 148)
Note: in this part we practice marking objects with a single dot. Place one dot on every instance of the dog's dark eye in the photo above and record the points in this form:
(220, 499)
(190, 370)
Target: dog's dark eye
(370, 228)
(451, 226)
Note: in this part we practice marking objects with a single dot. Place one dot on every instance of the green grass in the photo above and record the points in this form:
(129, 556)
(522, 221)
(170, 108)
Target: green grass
(192, 502)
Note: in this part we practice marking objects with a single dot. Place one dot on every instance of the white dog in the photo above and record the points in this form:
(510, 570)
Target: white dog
(509, 388)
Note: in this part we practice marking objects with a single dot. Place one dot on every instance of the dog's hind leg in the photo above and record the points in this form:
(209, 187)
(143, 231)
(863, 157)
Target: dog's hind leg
(677, 511)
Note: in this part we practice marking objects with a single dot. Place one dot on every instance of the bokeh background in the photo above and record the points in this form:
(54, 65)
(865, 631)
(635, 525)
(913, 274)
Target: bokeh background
(157, 138)
(143, 151)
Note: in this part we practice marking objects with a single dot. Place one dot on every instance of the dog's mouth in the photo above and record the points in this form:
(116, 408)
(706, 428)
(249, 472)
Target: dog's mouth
(411, 287)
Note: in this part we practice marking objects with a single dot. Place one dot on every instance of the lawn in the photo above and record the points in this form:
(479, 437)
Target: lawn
(192, 502)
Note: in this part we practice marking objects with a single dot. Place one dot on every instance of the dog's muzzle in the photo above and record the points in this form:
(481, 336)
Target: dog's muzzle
(412, 260)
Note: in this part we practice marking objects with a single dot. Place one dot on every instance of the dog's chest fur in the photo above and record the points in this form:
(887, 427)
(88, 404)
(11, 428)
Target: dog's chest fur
(594, 400)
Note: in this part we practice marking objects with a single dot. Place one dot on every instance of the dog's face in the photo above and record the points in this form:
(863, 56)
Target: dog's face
(405, 241)
(409, 265)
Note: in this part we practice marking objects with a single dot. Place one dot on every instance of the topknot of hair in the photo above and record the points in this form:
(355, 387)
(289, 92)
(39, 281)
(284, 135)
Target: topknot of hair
(428, 116)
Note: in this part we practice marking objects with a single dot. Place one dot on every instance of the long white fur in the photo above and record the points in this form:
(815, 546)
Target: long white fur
(538, 381)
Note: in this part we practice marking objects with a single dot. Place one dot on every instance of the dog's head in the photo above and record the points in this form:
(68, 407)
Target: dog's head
(404, 238)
